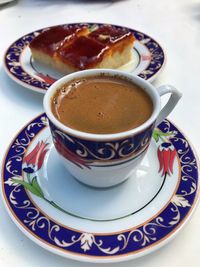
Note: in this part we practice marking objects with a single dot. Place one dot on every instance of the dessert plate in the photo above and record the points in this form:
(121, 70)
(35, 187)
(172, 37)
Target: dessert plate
(99, 225)
(148, 60)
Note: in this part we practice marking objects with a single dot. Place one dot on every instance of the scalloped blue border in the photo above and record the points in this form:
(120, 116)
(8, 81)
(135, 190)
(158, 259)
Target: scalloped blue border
(154, 228)
(15, 50)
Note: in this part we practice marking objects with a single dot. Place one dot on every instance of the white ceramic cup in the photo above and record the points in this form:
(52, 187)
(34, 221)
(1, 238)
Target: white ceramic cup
(104, 160)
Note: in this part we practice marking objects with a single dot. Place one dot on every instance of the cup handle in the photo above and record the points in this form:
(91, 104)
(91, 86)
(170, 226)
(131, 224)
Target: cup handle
(173, 100)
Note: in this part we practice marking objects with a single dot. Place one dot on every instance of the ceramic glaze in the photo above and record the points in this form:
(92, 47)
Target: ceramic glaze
(34, 204)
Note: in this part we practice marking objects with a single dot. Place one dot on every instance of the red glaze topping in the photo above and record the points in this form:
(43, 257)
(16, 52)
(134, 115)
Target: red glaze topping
(50, 40)
(71, 45)
(83, 52)
(109, 34)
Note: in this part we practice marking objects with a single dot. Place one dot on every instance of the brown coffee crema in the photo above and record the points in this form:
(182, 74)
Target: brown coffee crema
(101, 105)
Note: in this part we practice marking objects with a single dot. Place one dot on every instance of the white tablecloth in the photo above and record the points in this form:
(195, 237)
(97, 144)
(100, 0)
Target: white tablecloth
(176, 25)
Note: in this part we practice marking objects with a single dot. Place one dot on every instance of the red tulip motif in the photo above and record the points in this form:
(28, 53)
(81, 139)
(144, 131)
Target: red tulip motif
(48, 79)
(66, 153)
(166, 155)
(36, 157)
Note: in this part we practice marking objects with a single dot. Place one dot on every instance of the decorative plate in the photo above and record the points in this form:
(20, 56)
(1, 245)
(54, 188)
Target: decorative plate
(148, 60)
(99, 225)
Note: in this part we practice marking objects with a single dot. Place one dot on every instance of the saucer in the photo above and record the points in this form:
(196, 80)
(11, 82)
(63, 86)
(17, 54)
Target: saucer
(148, 60)
(99, 225)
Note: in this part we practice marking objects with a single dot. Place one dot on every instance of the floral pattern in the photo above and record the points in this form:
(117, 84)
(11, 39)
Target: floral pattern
(166, 155)
(33, 162)
(36, 157)
(42, 81)
(71, 156)
(157, 55)
(89, 244)
(87, 153)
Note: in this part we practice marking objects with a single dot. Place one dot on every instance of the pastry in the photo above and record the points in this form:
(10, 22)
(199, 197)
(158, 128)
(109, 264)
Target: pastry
(72, 48)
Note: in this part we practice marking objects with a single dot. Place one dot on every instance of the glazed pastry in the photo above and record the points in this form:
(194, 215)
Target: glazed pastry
(73, 48)
(44, 46)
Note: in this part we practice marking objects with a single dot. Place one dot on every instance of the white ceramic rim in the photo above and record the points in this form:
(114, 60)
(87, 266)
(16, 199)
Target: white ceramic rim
(149, 89)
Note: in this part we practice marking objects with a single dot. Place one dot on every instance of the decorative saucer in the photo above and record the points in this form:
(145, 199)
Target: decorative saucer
(99, 225)
(148, 60)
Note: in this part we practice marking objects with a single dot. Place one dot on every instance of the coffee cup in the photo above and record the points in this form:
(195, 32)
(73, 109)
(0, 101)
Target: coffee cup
(105, 160)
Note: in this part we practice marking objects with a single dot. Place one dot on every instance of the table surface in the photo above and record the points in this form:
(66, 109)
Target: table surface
(175, 24)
